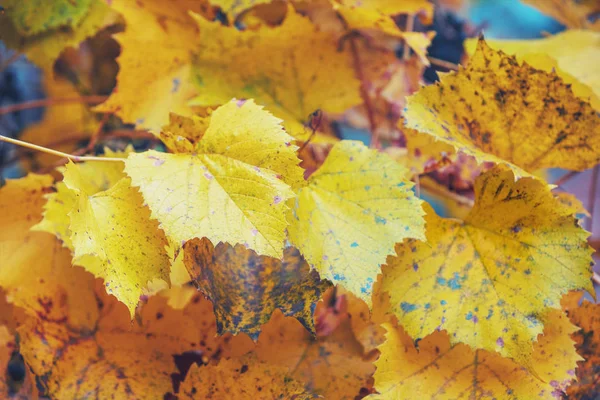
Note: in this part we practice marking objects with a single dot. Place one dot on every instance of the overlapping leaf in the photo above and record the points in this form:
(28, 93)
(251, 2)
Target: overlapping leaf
(438, 370)
(232, 188)
(243, 378)
(333, 366)
(352, 212)
(488, 280)
(572, 54)
(46, 32)
(498, 110)
(147, 91)
(246, 288)
(293, 70)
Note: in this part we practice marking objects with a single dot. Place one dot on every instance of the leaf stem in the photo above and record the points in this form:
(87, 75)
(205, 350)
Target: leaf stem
(55, 152)
(443, 191)
(364, 92)
(592, 196)
(443, 63)
(410, 24)
(51, 101)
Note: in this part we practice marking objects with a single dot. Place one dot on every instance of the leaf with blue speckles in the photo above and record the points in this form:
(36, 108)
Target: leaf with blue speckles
(352, 212)
(229, 183)
(246, 288)
(487, 280)
(438, 370)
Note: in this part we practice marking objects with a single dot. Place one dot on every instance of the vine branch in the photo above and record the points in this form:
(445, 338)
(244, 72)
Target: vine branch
(56, 152)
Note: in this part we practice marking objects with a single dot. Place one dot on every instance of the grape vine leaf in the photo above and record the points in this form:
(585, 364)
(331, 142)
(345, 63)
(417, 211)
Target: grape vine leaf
(35, 269)
(133, 253)
(246, 288)
(233, 188)
(501, 111)
(587, 339)
(356, 206)
(292, 69)
(44, 48)
(333, 366)
(147, 91)
(439, 370)
(488, 280)
(572, 54)
(117, 359)
(246, 378)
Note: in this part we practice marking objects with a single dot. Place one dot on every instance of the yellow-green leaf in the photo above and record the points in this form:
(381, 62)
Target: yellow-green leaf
(352, 212)
(233, 188)
(501, 111)
(293, 70)
(246, 288)
(114, 238)
(33, 17)
(488, 280)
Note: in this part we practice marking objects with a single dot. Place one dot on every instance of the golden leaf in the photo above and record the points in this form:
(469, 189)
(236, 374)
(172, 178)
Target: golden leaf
(437, 370)
(236, 182)
(293, 70)
(509, 113)
(356, 206)
(488, 280)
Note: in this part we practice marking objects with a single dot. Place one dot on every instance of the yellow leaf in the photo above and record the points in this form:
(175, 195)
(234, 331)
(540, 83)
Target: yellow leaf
(183, 134)
(165, 34)
(44, 49)
(113, 236)
(332, 366)
(247, 288)
(10, 388)
(243, 378)
(235, 184)
(352, 212)
(437, 370)
(97, 177)
(38, 16)
(571, 13)
(35, 269)
(509, 113)
(118, 359)
(572, 54)
(488, 280)
(587, 318)
(293, 70)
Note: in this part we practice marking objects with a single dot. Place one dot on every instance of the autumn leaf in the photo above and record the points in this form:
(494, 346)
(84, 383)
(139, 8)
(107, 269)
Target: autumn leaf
(11, 388)
(331, 366)
(489, 279)
(237, 181)
(243, 378)
(116, 359)
(351, 213)
(292, 69)
(36, 271)
(569, 53)
(147, 91)
(42, 30)
(438, 370)
(587, 339)
(501, 111)
(246, 288)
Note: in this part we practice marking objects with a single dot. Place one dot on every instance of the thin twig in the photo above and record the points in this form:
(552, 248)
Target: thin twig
(364, 93)
(51, 101)
(97, 133)
(566, 177)
(55, 152)
(410, 25)
(592, 196)
(443, 63)
(596, 278)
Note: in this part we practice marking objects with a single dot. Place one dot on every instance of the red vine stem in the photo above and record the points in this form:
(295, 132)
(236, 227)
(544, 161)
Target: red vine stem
(592, 196)
(364, 92)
